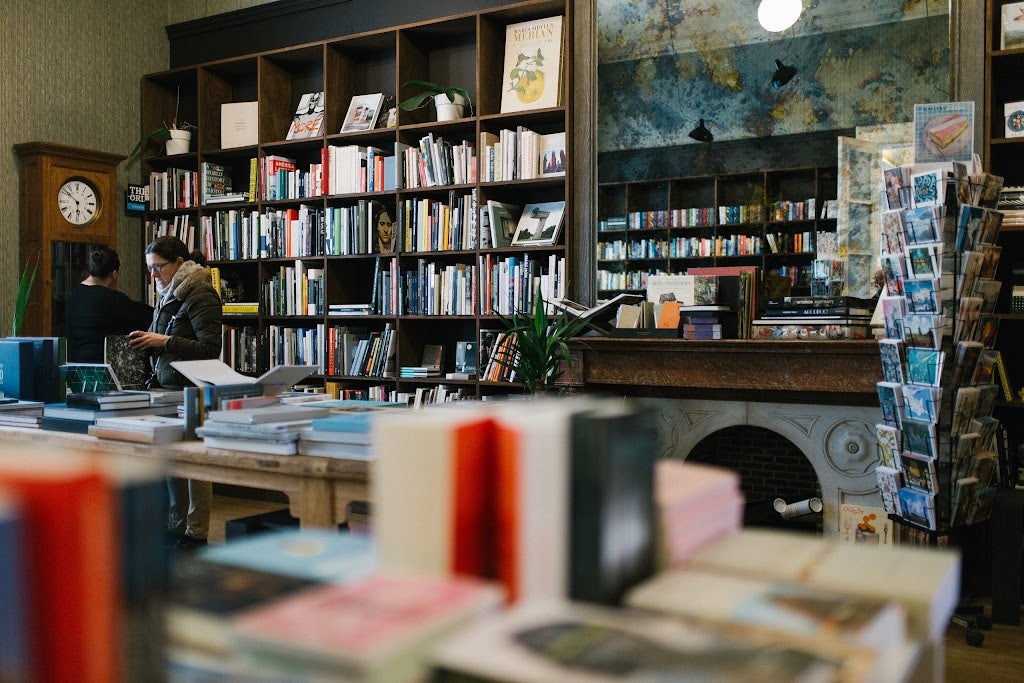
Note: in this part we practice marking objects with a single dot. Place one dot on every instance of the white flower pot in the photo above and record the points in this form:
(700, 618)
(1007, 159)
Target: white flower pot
(179, 142)
(448, 110)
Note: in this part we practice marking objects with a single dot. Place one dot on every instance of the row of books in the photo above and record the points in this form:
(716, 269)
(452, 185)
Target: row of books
(439, 225)
(294, 290)
(296, 346)
(182, 226)
(521, 154)
(238, 234)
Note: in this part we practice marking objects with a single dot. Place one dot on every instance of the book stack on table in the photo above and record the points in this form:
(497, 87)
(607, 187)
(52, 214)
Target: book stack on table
(270, 429)
(17, 413)
(82, 409)
(815, 317)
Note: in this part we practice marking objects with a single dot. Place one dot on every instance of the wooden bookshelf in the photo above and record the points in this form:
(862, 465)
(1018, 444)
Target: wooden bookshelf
(767, 218)
(465, 49)
(1003, 158)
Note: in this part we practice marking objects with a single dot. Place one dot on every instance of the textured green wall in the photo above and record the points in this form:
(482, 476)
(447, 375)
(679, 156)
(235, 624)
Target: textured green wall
(69, 73)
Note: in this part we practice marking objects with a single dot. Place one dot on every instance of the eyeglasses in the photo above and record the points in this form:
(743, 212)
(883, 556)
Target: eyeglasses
(157, 267)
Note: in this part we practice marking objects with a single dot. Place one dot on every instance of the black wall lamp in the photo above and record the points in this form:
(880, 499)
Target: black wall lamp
(783, 74)
(701, 133)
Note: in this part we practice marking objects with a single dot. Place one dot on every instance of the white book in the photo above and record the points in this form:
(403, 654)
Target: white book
(531, 75)
(251, 445)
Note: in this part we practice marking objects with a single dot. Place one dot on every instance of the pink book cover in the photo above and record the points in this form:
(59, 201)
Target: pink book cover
(367, 619)
(684, 535)
(691, 485)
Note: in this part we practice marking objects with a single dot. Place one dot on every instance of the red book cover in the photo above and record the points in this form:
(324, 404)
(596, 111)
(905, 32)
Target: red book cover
(72, 564)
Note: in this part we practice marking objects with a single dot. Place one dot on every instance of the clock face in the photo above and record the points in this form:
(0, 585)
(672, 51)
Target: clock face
(78, 201)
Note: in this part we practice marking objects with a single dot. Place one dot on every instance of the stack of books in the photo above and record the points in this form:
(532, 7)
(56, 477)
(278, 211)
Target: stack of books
(82, 409)
(815, 317)
(270, 429)
(707, 322)
(139, 428)
(17, 413)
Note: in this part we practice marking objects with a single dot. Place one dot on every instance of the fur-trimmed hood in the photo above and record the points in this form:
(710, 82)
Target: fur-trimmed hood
(188, 276)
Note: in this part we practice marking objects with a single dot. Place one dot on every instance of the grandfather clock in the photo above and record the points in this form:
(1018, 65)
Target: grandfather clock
(67, 199)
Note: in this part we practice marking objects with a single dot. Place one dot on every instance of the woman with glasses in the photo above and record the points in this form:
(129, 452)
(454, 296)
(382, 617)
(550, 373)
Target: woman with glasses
(97, 309)
(186, 326)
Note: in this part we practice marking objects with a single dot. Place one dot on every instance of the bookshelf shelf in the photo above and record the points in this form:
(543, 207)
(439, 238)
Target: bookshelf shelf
(466, 50)
(687, 215)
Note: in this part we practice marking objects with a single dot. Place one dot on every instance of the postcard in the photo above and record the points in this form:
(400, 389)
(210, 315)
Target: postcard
(943, 131)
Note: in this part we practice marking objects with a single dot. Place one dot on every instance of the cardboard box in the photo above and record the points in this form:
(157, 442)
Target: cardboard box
(1013, 117)
(239, 124)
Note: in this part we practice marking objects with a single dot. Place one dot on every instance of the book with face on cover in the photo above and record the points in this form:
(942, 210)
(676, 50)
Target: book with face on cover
(308, 121)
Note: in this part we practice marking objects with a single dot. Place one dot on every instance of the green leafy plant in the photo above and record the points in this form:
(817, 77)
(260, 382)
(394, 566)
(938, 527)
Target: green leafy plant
(430, 90)
(540, 354)
(163, 133)
(24, 292)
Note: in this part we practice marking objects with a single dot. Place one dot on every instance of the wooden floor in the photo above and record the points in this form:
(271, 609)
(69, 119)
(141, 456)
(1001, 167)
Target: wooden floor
(1000, 659)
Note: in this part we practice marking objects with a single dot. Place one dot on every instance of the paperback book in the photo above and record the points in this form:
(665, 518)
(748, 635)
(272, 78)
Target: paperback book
(308, 121)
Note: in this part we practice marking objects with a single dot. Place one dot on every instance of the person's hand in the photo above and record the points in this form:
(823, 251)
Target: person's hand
(142, 341)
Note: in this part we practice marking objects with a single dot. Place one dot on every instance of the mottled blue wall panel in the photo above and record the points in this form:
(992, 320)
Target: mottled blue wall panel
(858, 77)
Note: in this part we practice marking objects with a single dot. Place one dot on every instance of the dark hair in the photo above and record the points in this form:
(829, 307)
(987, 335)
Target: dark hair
(172, 248)
(103, 262)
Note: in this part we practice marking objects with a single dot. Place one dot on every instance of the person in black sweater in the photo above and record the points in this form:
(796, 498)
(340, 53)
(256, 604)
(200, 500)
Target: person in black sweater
(96, 309)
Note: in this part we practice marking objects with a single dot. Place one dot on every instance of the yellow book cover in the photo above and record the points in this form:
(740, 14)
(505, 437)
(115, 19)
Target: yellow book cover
(533, 65)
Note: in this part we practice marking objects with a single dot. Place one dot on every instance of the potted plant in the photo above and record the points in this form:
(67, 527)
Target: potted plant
(176, 136)
(540, 354)
(450, 103)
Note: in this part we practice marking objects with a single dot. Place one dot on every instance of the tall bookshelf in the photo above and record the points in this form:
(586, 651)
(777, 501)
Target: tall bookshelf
(767, 218)
(1003, 157)
(465, 49)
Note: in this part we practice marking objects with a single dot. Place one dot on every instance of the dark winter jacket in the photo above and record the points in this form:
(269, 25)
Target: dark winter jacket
(191, 315)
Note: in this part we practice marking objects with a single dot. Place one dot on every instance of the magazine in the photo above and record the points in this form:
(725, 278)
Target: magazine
(308, 121)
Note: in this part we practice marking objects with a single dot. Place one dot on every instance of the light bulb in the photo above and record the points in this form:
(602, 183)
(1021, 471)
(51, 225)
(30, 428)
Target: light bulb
(778, 15)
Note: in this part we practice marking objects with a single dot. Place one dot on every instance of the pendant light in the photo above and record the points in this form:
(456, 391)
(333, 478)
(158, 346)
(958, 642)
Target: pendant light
(701, 133)
(778, 15)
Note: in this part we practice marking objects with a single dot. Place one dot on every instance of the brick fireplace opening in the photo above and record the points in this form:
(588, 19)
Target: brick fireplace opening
(770, 467)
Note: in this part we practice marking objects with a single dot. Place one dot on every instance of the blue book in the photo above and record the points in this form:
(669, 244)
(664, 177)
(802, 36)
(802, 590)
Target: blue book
(14, 626)
(316, 554)
(349, 422)
(17, 374)
(50, 354)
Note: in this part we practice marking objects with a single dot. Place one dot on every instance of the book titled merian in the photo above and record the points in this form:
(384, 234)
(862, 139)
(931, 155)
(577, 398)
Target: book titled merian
(532, 67)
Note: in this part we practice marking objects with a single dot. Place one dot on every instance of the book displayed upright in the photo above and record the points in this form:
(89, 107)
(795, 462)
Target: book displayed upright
(1012, 34)
(533, 65)
(308, 121)
(239, 124)
(363, 112)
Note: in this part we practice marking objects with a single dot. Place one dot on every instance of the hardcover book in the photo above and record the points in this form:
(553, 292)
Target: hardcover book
(239, 124)
(308, 554)
(532, 68)
(1012, 34)
(539, 224)
(552, 155)
(503, 219)
(17, 372)
(363, 112)
(779, 606)
(549, 641)
(375, 629)
(206, 595)
(308, 121)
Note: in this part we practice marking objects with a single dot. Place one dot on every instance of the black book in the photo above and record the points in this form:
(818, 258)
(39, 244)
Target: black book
(611, 502)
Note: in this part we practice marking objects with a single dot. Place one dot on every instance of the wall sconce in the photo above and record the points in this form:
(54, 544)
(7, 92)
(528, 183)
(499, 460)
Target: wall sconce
(783, 74)
(778, 15)
(701, 133)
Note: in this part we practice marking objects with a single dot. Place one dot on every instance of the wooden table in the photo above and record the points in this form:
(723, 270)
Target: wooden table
(318, 488)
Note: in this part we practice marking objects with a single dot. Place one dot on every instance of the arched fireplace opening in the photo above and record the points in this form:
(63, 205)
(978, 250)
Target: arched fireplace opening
(770, 467)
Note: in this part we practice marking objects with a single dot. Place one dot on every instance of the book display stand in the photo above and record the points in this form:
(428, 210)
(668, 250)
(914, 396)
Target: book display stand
(938, 440)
